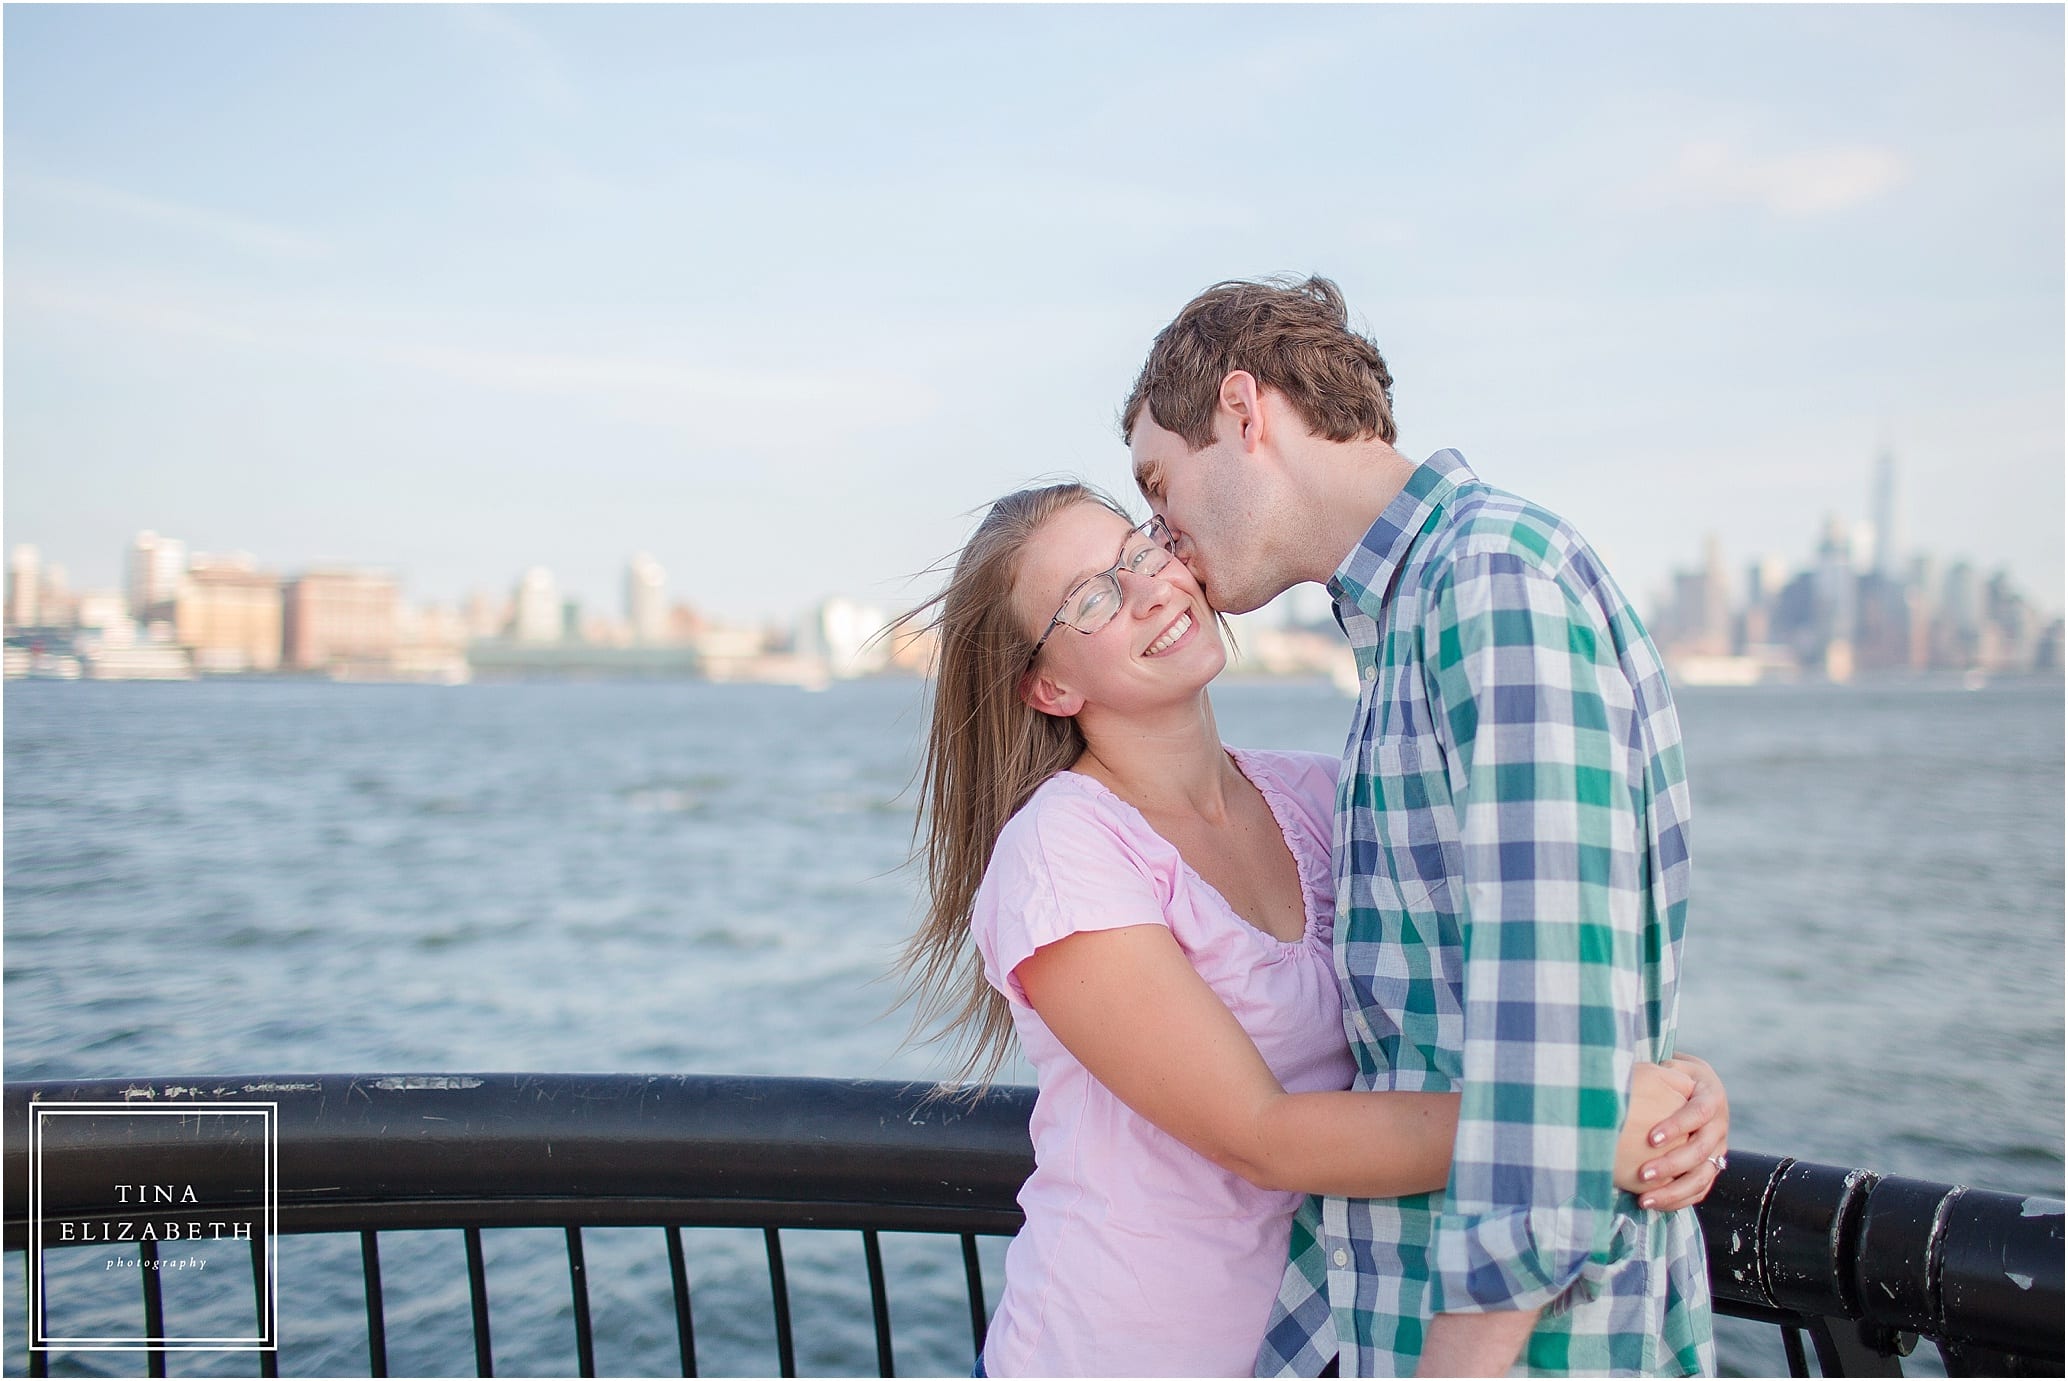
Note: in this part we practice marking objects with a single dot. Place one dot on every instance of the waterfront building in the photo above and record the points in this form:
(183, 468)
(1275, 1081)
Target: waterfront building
(139, 662)
(646, 599)
(228, 616)
(55, 603)
(537, 616)
(340, 617)
(487, 617)
(155, 567)
(1888, 533)
(842, 633)
(104, 615)
(24, 585)
(915, 652)
(430, 645)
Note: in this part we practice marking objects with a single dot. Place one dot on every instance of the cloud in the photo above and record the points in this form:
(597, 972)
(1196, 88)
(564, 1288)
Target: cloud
(1809, 182)
(533, 60)
(239, 232)
(748, 405)
(762, 409)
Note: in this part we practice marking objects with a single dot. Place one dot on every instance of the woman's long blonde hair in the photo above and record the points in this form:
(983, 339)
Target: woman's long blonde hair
(986, 752)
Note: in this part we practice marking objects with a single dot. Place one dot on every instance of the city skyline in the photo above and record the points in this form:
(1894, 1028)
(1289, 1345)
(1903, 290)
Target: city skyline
(645, 599)
(458, 291)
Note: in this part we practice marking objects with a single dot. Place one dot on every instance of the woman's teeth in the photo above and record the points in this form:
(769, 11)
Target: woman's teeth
(1171, 635)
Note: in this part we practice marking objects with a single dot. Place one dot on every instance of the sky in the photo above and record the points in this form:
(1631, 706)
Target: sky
(783, 295)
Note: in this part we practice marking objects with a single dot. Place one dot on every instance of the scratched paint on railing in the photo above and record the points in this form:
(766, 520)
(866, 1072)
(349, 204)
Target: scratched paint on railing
(132, 1092)
(426, 1081)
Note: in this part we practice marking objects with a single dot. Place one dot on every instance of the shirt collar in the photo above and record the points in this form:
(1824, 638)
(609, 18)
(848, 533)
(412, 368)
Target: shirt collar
(1360, 583)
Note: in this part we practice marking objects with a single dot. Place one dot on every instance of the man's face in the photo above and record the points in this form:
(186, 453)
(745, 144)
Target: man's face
(1213, 503)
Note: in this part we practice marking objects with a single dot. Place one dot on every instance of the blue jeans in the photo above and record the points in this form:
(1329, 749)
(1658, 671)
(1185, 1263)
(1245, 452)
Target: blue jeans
(978, 1370)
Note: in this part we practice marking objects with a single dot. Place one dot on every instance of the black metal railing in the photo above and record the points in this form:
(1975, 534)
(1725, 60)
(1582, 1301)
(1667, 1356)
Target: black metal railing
(1852, 1267)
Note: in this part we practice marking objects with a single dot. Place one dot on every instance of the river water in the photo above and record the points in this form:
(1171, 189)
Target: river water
(277, 876)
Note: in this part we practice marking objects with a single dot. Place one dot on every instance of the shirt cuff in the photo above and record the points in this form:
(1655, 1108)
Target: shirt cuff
(1526, 1258)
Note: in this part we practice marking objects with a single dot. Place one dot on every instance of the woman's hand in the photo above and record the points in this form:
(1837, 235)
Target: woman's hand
(1657, 1093)
(1680, 1153)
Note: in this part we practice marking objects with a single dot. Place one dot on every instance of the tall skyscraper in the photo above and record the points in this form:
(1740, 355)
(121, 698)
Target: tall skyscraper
(646, 599)
(538, 616)
(1889, 561)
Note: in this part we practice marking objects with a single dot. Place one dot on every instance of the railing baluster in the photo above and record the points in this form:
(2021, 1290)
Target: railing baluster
(973, 1272)
(154, 1305)
(578, 1279)
(879, 1302)
(779, 1286)
(1791, 1343)
(32, 1274)
(376, 1304)
(269, 1357)
(477, 1285)
(685, 1326)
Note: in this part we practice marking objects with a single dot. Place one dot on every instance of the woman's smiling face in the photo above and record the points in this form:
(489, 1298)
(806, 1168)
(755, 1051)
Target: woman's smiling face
(1162, 640)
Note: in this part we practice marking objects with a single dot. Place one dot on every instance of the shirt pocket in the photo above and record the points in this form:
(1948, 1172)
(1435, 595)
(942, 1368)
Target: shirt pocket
(1414, 857)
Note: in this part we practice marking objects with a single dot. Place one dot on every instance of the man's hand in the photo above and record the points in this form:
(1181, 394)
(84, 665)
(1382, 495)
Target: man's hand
(1475, 1344)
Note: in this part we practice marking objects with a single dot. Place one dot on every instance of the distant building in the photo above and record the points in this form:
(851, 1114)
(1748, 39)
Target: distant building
(487, 617)
(155, 567)
(430, 645)
(24, 586)
(843, 633)
(340, 617)
(229, 617)
(646, 600)
(537, 617)
(104, 614)
(55, 603)
(1888, 520)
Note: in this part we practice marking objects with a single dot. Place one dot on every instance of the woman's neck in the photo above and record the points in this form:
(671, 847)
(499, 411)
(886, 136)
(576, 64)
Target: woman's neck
(1168, 764)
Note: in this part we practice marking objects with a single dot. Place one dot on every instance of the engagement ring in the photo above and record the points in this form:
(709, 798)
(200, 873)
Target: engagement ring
(1719, 1162)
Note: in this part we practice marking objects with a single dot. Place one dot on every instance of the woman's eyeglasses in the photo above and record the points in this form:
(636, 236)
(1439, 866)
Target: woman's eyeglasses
(1093, 601)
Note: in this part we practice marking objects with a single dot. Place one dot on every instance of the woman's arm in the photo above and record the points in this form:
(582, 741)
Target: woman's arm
(1132, 1009)
(1136, 1014)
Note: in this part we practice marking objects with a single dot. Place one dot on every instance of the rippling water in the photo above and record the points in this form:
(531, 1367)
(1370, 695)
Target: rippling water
(242, 877)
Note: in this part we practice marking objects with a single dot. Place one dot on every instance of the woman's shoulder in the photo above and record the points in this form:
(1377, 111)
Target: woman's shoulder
(1070, 818)
(1310, 777)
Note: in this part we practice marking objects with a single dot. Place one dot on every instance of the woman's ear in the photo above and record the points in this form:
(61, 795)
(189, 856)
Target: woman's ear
(1040, 691)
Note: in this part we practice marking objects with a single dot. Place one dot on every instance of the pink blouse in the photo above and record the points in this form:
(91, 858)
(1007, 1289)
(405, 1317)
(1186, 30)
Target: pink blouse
(1140, 1257)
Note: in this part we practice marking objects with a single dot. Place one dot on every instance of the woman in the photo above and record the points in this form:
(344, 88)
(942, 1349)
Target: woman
(1152, 913)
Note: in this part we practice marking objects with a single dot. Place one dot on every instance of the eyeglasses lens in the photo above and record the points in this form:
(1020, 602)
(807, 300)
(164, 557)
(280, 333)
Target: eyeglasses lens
(1094, 605)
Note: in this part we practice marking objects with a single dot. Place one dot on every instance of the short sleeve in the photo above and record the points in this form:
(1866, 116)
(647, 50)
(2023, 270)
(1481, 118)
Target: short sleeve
(1310, 779)
(1068, 862)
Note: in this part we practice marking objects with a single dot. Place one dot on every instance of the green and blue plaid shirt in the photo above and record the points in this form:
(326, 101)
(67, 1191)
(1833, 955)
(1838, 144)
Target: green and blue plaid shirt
(1511, 887)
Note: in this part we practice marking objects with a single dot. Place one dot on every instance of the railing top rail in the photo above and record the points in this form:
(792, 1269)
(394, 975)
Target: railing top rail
(474, 1137)
(486, 1149)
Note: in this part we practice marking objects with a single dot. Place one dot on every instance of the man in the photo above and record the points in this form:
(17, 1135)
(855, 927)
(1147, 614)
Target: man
(1510, 851)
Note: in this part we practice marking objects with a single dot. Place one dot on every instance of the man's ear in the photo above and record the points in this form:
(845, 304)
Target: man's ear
(1040, 691)
(1242, 405)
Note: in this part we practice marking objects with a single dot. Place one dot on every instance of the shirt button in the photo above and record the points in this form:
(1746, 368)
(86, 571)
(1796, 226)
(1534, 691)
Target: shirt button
(1342, 1257)
(1371, 673)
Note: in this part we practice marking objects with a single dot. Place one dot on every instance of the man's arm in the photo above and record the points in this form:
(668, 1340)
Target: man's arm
(1530, 704)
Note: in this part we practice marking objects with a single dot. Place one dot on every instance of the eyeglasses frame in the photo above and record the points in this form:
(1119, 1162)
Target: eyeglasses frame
(1150, 528)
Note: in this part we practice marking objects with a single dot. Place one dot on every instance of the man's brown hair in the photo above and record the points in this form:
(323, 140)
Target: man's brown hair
(1293, 337)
